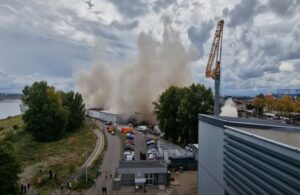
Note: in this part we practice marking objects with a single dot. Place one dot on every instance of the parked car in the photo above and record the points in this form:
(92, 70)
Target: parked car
(153, 157)
(150, 142)
(128, 147)
(129, 141)
(131, 137)
(152, 146)
(148, 139)
(151, 151)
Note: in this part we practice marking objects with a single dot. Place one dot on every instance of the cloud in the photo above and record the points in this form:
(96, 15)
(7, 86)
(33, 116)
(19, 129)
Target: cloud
(130, 8)
(125, 25)
(242, 12)
(199, 35)
(56, 39)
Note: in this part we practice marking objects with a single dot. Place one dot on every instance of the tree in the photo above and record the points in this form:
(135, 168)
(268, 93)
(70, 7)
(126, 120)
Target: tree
(45, 116)
(166, 109)
(285, 105)
(297, 105)
(9, 169)
(177, 111)
(74, 103)
(259, 104)
(270, 103)
(197, 99)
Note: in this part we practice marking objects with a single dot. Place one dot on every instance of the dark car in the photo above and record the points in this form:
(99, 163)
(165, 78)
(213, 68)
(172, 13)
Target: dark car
(152, 146)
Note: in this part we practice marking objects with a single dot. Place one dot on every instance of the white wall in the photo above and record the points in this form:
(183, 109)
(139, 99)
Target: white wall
(210, 159)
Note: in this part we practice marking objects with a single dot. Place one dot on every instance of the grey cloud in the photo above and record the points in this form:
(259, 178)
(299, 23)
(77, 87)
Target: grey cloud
(283, 7)
(125, 25)
(131, 8)
(199, 35)
(242, 12)
(162, 4)
(21, 54)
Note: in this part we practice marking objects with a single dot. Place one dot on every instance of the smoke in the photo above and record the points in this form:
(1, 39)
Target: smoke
(229, 109)
(131, 89)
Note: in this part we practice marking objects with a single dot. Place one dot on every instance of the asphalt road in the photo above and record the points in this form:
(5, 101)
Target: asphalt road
(109, 164)
(140, 144)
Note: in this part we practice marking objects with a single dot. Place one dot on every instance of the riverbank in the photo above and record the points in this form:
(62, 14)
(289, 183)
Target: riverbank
(37, 159)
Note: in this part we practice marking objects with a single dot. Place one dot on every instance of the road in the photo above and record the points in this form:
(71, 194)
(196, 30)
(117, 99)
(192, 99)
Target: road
(109, 164)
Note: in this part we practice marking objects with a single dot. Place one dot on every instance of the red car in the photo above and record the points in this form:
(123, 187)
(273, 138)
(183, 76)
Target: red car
(131, 142)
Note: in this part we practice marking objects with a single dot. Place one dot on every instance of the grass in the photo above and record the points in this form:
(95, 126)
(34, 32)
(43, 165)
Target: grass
(92, 170)
(63, 157)
(7, 125)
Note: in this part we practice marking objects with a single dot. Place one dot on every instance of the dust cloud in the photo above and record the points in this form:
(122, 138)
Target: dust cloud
(131, 89)
(229, 109)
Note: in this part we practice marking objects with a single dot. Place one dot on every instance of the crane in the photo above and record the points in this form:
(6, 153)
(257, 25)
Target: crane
(216, 55)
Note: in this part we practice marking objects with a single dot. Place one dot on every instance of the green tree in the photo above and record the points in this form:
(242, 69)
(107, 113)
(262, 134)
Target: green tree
(166, 109)
(197, 99)
(45, 116)
(9, 169)
(259, 104)
(74, 103)
(177, 111)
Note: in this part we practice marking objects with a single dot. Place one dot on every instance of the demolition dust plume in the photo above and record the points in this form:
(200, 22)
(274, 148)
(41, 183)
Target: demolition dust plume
(131, 89)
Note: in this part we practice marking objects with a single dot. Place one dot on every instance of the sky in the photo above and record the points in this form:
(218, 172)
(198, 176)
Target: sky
(54, 40)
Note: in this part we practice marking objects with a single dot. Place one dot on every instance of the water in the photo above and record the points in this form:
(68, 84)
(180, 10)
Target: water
(9, 108)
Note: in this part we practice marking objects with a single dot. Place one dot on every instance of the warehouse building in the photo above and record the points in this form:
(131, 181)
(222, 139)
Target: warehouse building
(247, 156)
(141, 172)
(103, 115)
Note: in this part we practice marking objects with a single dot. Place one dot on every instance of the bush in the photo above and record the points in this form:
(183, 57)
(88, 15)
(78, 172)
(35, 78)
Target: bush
(15, 127)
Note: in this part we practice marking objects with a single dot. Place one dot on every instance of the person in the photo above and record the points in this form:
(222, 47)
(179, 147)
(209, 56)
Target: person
(94, 182)
(28, 186)
(50, 174)
(62, 187)
(103, 190)
(111, 175)
(22, 188)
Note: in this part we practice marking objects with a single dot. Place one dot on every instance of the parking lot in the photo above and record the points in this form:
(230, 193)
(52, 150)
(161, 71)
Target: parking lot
(140, 144)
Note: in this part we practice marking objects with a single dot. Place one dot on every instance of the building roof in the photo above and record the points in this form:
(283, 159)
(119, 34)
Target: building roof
(142, 164)
(272, 130)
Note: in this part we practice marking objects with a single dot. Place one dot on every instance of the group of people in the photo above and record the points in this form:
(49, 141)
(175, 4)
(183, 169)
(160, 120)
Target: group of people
(25, 188)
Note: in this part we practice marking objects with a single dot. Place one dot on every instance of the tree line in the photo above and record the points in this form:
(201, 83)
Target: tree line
(177, 110)
(284, 105)
(49, 113)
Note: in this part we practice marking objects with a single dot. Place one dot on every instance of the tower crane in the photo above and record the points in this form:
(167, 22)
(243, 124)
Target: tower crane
(215, 56)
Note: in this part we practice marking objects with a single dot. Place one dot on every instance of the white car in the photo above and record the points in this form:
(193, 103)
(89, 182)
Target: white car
(151, 151)
(142, 128)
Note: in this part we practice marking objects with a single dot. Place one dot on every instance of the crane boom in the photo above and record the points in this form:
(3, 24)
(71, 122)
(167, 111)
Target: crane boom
(215, 53)
(215, 73)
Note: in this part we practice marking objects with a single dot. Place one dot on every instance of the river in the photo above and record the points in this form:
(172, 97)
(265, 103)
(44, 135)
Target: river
(9, 108)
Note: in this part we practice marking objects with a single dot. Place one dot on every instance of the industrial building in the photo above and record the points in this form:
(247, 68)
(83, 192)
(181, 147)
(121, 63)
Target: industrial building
(174, 156)
(99, 113)
(140, 172)
(247, 156)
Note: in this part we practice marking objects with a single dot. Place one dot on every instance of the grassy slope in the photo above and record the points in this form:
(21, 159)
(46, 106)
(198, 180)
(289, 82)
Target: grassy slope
(62, 157)
(6, 125)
